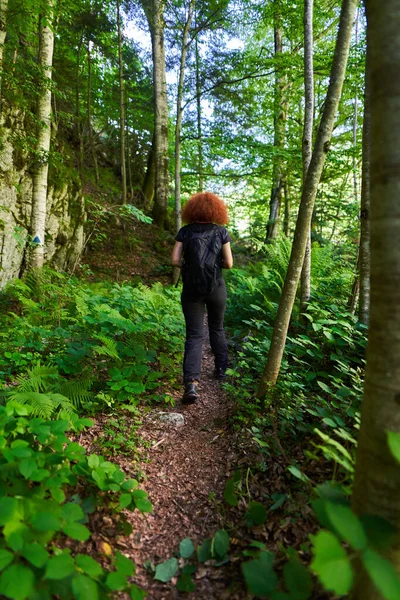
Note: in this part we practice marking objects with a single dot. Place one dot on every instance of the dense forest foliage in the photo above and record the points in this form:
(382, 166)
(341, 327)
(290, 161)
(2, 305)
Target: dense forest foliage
(112, 114)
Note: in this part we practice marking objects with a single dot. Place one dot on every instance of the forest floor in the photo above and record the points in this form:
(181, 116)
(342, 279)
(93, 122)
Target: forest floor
(184, 469)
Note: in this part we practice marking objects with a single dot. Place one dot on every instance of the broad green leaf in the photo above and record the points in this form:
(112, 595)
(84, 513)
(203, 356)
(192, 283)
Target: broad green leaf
(230, 493)
(84, 588)
(186, 548)
(27, 467)
(71, 512)
(259, 575)
(5, 558)
(124, 565)
(88, 565)
(185, 583)
(393, 439)
(125, 500)
(8, 508)
(256, 514)
(17, 582)
(347, 524)
(166, 570)
(220, 543)
(204, 551)
(331, 563)
(143, 505)
(382, 573)
(76, 531)
(297, 580)
(35, 554)
(59, 567)
(137, 593)
(46, 521)
(116, 581)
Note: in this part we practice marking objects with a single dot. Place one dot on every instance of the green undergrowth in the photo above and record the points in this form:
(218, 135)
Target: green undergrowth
(68, 350)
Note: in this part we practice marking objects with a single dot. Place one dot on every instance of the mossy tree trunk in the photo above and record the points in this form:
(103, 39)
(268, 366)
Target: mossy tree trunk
(377, 474)
(39, 193)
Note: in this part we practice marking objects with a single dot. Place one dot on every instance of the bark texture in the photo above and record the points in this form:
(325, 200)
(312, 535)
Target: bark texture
(39, 194)
(309, 192)
(377, 475)
(3, 27)
(199, 128)
(89, 113)
(121, 106)
(307, 138)
(154, 10)
(364, 252)
(179, 114)
(280, 117)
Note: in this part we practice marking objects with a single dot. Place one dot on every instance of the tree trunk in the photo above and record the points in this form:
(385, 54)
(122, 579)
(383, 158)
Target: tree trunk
(377, 474)
(280, 116)
(199, 130)
(89, 113)
(121, 106)
(179, 113)
(150, 177)
(365, 258)
(39, 192)
(309, 192)
(286, 218)
(154, 10)
(79, 129)
(3, 27)
(305, 281)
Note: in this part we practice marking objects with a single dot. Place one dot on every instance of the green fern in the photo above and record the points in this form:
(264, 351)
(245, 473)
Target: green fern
(77, 391)
(47, 393)
(109, 347)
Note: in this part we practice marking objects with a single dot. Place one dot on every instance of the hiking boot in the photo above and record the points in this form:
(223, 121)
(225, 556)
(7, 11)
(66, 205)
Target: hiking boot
(220, 373)
(191, 395)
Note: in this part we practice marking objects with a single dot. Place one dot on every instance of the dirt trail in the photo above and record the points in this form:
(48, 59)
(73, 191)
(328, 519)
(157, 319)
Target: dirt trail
(185, 471)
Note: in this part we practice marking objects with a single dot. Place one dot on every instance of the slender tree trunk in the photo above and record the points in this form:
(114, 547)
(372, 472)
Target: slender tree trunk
(280, 116)
(355, 290)
(89, 113)
(286, 218)
(309, 192)
(199, 130)
(305, 280)
(78, 121)
(121, 105)
(150, 177)
(3, 27)
(365, 259)
(154, 10)
(179, 113)
(39, 192)
(377, 474)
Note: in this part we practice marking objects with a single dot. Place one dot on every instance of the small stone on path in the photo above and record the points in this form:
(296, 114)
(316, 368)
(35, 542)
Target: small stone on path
(175, 419)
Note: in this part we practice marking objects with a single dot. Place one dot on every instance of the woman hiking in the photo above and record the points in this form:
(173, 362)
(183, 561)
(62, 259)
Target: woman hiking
(202, 249)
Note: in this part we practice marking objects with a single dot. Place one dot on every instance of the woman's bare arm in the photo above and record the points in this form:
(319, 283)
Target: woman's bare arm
(227, 259)
(176, 256)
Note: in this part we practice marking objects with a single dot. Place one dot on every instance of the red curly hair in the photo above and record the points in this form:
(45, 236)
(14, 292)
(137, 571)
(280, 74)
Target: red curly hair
(205, 207)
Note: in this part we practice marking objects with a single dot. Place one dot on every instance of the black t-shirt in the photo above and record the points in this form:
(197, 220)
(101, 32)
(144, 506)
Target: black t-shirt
(185, 232)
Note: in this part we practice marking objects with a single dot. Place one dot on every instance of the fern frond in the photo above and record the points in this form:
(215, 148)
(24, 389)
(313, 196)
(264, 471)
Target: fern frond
(76, 391)
(109, 347)
(60, 402)
(36, 378)
(41, 404)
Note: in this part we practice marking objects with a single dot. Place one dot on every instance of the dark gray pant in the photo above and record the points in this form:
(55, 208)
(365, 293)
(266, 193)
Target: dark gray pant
(193, 310)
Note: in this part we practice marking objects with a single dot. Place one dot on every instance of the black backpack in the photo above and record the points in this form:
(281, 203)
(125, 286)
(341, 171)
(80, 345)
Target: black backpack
(201, 258)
